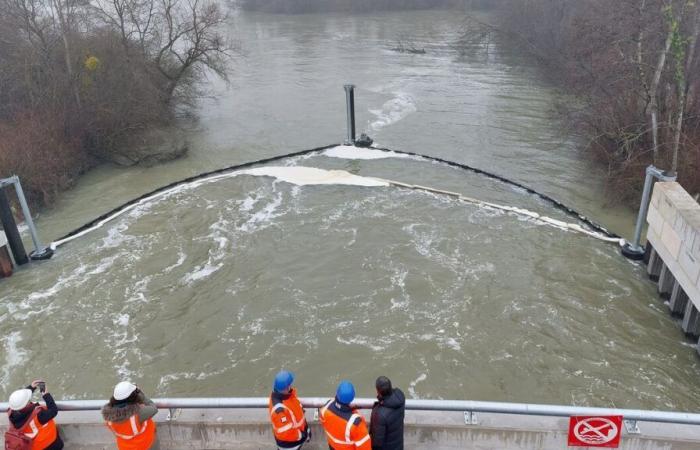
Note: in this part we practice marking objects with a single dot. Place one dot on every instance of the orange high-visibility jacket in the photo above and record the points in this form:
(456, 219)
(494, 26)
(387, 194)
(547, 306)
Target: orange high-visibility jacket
(132, 434)
(41, 435)
(287, 417)
(345, 427)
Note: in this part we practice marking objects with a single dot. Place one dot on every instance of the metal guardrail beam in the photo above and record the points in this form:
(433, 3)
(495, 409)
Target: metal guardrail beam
(416, 405)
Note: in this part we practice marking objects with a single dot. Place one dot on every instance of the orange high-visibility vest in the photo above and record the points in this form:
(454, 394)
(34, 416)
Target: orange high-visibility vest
(345, 434)
(132, 434)
(287, 417)
(41, 435)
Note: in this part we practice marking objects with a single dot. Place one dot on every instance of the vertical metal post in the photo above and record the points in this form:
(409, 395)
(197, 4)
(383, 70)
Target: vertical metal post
(350, 101)
(634, 250)
(40, 251)
(10, 227)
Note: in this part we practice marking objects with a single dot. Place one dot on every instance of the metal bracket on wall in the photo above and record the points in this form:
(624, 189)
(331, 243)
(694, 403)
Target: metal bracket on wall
(470, 418)
(173, 414)
(632, 427)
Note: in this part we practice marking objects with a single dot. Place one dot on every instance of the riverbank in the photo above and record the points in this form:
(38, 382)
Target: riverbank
(112, 91)
(633, 71)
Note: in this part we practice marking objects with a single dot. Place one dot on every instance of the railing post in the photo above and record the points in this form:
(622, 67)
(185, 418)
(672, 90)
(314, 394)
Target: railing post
(40, 251)
(350, 101)
(634, 250)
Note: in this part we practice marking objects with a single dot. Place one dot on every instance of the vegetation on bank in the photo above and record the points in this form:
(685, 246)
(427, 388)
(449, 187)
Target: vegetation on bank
(78, 78)
(635, 68)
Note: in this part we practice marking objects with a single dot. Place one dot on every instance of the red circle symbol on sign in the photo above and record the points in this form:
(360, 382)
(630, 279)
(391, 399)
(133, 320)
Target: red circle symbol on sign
(595, 431)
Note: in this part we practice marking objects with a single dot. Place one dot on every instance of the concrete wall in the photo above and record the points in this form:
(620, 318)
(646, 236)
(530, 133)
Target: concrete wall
(248, 429)
(674, 232)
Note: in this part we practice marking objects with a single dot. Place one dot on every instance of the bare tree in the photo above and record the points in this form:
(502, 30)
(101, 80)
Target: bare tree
(631, 64)
(684, 55)
(189, 42)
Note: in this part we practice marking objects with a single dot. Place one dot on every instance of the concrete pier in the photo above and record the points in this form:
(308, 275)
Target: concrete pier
(674, 259)
(666, 282)
(678, 300)
(691, 321)
(424, 430)
(654, 265)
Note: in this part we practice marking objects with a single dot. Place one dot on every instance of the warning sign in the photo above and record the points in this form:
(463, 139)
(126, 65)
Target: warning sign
(588, 431)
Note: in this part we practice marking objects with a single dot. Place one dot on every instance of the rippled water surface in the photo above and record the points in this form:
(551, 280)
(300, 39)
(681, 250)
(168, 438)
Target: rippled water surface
(210, 289)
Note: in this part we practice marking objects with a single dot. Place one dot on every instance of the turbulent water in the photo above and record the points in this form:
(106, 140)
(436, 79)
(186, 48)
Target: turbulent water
(209, 289)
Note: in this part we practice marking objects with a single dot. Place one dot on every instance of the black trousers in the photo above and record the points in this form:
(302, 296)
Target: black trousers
(56, 445)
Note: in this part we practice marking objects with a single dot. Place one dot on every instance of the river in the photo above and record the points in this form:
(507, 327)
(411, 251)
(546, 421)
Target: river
(209, 290)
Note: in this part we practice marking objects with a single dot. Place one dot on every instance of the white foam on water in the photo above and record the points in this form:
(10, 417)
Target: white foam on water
(362, 341)
(412, 385)
(165, 380)
(202, 272)
(265, 216)
(453, 344)
(14, 356)
(216, 255)
(181, 257)
(352, 152)
(248, 203)
(393, 110)
(122, 320)
(304, 176)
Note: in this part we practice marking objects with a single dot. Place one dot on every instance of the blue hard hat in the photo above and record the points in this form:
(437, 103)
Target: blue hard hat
(345, 393)
(283, 380)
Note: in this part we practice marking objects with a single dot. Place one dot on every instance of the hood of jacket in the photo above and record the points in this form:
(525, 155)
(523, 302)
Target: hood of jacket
(394, 401)
(119, 413)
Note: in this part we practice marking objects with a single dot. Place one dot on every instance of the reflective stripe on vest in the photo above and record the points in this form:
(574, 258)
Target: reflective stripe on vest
(348, 429)
(295, 424)
(35, 430)
(134, 428)
(41, 435)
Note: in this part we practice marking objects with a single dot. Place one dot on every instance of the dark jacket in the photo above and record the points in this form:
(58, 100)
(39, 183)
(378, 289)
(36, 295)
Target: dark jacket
(19, 418)
(386, 426)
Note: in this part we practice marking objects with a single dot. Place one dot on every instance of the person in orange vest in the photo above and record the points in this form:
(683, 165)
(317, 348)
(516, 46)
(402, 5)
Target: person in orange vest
(31, 421)
(345, 427)
(129, 415)
(286, 414)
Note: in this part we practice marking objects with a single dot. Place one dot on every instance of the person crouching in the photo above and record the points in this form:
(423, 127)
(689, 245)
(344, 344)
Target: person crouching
(129, 415)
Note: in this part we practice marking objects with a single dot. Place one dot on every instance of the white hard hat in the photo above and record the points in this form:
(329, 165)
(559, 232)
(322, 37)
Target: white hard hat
(20, 399)
(123, 390)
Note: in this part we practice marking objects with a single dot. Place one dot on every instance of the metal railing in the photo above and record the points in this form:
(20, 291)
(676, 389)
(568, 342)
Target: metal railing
(416, 405)
(634, 249)
(40, 250)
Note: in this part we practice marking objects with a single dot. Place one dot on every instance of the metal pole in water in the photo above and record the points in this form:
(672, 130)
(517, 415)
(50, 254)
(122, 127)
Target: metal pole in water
(350, 100)
(11, 231)
(40, 251)
(634, 250)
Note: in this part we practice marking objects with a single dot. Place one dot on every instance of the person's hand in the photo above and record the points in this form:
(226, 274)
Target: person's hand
(35, 383)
